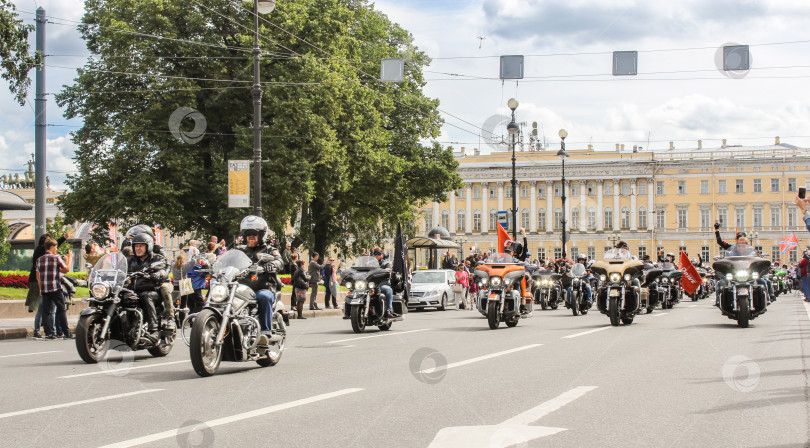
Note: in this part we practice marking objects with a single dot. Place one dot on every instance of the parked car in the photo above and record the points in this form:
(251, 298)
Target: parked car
(433, 288)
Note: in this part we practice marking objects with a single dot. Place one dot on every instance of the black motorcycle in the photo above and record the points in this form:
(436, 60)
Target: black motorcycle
(742, 298)
(669, 286)
(365, 304)
(650, 281)
(546, 289)
(578, 277)
(113, 313)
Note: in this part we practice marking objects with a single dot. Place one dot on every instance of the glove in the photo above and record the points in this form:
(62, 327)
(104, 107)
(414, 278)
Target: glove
(717, 226)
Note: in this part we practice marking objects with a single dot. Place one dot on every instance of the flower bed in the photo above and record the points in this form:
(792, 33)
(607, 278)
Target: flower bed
(19, 279)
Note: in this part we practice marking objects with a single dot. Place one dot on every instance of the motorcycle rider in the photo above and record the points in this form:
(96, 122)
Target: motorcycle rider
(652, 287)
(740, 247)
(253, 230)
(385, 287)
(520, 252)
(153, 272)
(582, 259)
(166, 288)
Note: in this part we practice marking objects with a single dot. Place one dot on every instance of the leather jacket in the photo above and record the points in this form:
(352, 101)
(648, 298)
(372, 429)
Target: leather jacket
(267, 272)
(156, 275)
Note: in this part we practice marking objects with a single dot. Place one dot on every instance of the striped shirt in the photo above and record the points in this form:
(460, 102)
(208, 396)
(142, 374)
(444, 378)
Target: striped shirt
(48, 267)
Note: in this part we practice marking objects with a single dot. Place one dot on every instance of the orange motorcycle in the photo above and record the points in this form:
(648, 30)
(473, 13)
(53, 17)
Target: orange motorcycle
(501, 283)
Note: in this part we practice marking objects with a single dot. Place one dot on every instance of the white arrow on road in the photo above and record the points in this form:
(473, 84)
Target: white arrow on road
(514, 431)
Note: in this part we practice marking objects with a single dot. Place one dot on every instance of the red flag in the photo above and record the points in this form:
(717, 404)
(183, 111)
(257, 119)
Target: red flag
(789, 243)
(503, 238)
(113, 235)
(691, 279)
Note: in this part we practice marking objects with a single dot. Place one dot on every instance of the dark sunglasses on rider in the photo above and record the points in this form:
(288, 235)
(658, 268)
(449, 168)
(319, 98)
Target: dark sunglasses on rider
(251, 233)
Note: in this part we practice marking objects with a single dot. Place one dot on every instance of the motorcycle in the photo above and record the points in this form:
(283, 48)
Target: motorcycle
(669, 287)
(500, 294)
(546, 289)
(742, 298)
(227, 328)
(578, 278)
(650, 294)
(781, 285)
(113, 313)
(365, 304)
(616, 296)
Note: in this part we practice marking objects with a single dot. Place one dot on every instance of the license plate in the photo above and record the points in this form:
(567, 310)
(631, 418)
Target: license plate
(614, 293)
(742, 292)
(357, 302)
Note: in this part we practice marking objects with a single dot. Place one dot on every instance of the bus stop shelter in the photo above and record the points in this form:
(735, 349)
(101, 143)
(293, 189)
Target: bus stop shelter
(425, 251)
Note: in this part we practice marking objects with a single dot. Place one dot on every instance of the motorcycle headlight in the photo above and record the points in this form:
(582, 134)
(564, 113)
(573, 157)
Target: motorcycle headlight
(496, 281)
(664, 280)
(602, 277)
(218, 293)
(742, 275)
(627, 277)
(482, 283)
(755, 276)
(359, 285)
(371, 285)
(99, 290)
(538, 283)
(615, 277)
(349, 285)
(729, 277)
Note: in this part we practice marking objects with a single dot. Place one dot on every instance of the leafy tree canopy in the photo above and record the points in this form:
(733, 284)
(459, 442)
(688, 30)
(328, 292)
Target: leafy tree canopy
(15, 59)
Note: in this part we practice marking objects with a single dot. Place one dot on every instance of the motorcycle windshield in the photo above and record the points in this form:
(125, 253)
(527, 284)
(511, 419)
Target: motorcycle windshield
(501, 258)
(111, 268)
(578, 270)
(365, 262)
(231, 264)
(618, 254)
(741, 250)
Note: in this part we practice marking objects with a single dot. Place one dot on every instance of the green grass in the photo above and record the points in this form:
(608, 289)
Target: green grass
(21, 293)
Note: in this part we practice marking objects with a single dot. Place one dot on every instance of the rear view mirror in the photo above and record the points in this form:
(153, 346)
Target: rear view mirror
(88, 266)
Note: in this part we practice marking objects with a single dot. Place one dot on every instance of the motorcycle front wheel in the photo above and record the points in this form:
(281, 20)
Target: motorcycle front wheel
(575, 303)
(743, 314)
(493, 318)
(204, 352)
(88, 342)
(358, 319)
(613, 311)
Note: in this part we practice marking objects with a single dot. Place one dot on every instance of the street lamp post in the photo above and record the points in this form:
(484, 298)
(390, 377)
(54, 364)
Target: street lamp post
(259, 7)
(563, 155)
(614, 238)
(513, 130)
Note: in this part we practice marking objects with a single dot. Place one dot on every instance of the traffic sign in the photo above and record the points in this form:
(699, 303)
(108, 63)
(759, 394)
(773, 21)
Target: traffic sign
(503, 220)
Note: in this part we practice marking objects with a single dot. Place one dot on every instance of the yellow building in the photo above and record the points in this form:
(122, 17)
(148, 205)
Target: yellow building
(661, 200)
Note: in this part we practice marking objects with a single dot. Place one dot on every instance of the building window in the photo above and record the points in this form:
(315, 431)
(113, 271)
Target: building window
(792, 184)
(681, 249)
(574, 253)
(591, 218)
(541, 190)
(625, 217)
(445, 219)
(541, 220)
(739, 186)
(524, 191)
(722, 252)
(608, 188)
(704, 187)
(509, 221)
(776, 216)
(681, 187)
(608, 218)
(557, 190)
(574, 224)
(558, 218)
(659, 188)
(775, 185)
(625, 188)
(758, 250)
(757, 185)
(591, 189)
(493, 219)
(682, 219)
(428, 221)
(642, 217)
(757, 212)
(525, 219)
(493, 192)
(739, 217)
(722, 217)
(508, 191)
(721, 187)
(776, 253)
(575, 189)
(461, 193)
(460, 215)
(591, 253)
(477, 220)
(642, 188)
(541, 253)
(660, 219)
(705, 218)
(705, 255)
(607, 249)
(557, 253)
(792, 217)
(793, 256)
(642, 251)
(477, 192)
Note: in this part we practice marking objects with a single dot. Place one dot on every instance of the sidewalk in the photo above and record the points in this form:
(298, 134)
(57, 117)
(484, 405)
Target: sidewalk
(24, 327)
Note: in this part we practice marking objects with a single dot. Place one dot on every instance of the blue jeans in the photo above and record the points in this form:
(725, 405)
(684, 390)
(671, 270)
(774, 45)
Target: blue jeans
(588, 295)
(265, 299)
(388, 292)
(55, 300)
(806, 288)
(38, 318)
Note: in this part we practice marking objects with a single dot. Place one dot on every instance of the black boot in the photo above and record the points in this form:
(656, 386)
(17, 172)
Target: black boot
(301, 310)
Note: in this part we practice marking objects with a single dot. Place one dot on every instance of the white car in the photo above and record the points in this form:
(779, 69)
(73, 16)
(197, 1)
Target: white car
(433, 288)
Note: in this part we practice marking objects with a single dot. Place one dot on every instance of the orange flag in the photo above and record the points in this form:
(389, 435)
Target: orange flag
(691, 279)
(503, 238)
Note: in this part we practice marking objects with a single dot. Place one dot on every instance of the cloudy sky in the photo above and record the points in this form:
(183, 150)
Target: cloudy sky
(679, 95)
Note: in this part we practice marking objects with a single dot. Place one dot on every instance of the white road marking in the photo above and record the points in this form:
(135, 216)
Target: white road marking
(692, 306)
(576, 335)
(29, 354)
(807, 308)
(514, 431)
(660, 314)
(377, 335)
(76, 403)
(232, 419)
(111, 371)
(480, 358)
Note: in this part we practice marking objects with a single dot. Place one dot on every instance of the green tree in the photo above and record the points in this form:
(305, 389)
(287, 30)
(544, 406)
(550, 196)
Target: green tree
(5, 246)
(14, 51)
(58, 229)
(344, 150)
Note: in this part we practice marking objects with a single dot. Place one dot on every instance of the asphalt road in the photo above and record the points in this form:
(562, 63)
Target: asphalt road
(684, 377)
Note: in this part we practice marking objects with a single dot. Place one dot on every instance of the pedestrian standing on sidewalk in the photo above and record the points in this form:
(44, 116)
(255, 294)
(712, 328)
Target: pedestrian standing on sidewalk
(34, 299)
(49, 269)
(461, 280)
(300, 282)
(803, 264)
(329, 284)
(314, 270)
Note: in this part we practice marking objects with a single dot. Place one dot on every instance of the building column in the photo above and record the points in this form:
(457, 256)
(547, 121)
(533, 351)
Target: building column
(549, 206)
(583, 207)
(600, 213)
(567, 211)
(633, 220)
(468, 211)
(533, 206)
(617, 216)
(452, 228)
(485, 211)
(500, 196)
(437, 217)
(650, 202)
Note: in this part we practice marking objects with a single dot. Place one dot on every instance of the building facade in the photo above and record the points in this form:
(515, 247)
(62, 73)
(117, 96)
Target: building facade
(663, 200)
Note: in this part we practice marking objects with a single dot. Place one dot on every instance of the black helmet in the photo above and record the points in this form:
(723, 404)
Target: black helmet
(138, 229)
(621, 244)
(253, 225)
(143, 238)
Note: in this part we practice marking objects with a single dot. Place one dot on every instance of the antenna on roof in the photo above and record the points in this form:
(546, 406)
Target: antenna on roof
(480, 41)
